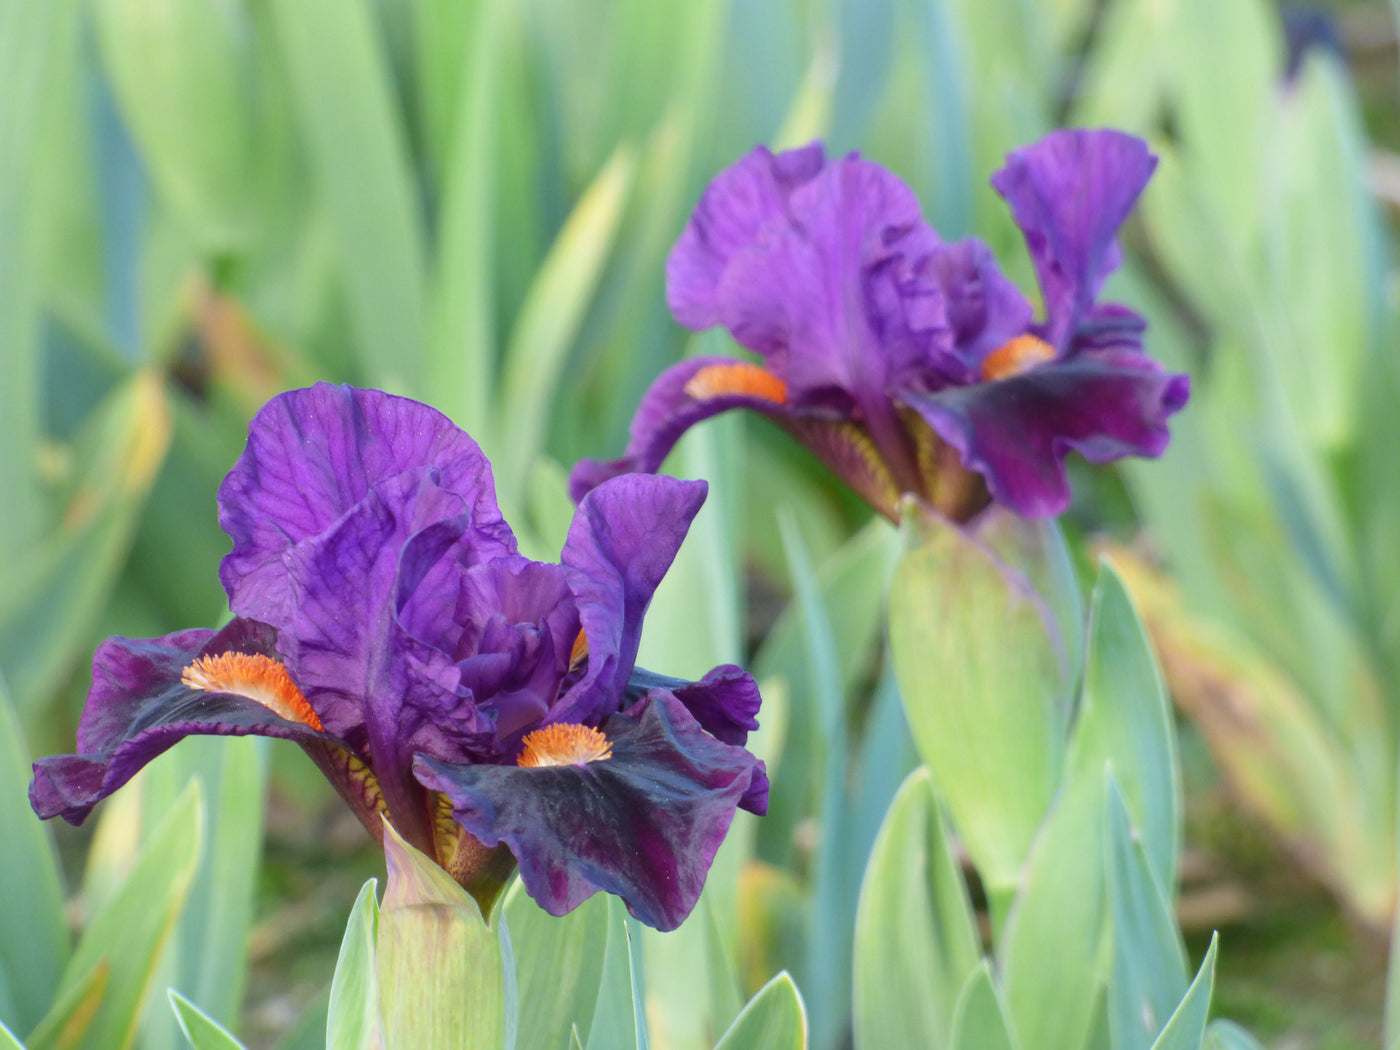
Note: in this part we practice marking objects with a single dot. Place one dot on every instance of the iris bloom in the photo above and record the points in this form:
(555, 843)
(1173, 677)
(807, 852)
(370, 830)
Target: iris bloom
(488, 705)
(907, 364)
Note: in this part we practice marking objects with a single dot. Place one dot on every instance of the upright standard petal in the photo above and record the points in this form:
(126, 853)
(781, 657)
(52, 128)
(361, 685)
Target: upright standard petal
(732, 215)
(519, 626)
(643, 821)
(1070, 192)
(624, 536)
(347, 648)
(311, 456)
(833, 294)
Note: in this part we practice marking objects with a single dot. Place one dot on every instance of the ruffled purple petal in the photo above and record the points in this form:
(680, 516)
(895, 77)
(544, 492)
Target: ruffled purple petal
(1016, 432)
(835, 295)
(984, 310)
(1069, 193)
(733, 212)
(343, 644)
(725, 702)
(624, 536)
(372, 682)
(518, 626)
(314, 454)
(666, 412)
(643, 824)
(138, 707)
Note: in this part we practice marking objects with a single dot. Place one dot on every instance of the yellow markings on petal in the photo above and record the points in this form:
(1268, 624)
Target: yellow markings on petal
(738, 377)
(447, 833)
(579, 656)
(562, 744)
(952, 489)
(255, 677)
(358, 774)
(1016, 356)
(851, 454)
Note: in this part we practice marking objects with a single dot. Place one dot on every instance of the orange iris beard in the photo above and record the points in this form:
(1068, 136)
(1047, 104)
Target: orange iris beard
(564, 745)
(737, 378)
(1016, 356)
(254, 677)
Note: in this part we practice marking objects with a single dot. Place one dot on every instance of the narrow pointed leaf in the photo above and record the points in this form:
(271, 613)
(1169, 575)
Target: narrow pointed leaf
(852, 583)
(203, 1032)
(1149, 961)
(352, 1019)
(50, 598)
(639, 1002)
(443, 32)
(774, 1019)
(981, 1021)
(211, 959)
(835, 881)
(916, 941)
(1059, 914)
(1186, 1029)
(1226, 1035)
(724, 985)
(1126, 718)
(614, 1018)
(1224, 58)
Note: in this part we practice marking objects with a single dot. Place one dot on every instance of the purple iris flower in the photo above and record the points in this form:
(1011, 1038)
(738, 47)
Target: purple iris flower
(907, 364)
(488, 705)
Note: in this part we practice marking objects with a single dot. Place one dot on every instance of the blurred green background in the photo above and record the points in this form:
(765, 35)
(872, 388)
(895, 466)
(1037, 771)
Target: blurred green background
(203, 202)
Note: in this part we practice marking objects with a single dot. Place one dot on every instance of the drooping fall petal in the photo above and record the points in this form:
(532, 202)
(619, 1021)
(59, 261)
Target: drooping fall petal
(643, 823)
(149, 694)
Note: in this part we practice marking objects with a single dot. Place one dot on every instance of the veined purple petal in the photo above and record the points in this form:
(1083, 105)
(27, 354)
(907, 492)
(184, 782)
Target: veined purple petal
(139, 707)
(833, 295)
(1017, 431)
(668, 410)
(518, 627)
(732, 213)
(343, 643)
(644, 823)
(624, 536)
(311, 456)
(370, 679)
(1069, 193)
